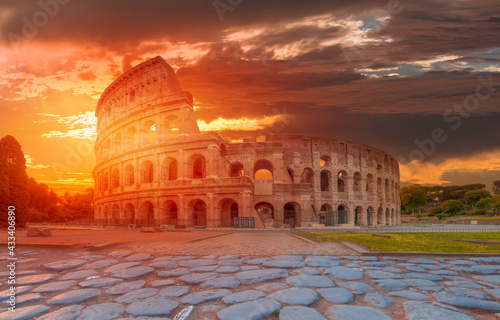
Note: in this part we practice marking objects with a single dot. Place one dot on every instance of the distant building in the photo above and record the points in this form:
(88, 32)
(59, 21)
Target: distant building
(155, 167)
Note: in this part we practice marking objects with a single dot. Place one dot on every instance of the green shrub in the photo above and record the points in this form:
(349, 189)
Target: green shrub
(453, 207)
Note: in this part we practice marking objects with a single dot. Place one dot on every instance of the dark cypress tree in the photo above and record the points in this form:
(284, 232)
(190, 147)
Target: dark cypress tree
(18, 179)
(4, 188)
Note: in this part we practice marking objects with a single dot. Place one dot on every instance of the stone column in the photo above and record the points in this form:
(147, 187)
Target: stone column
(211, 163)
(211, 218)
(182, 211)
(181, 162)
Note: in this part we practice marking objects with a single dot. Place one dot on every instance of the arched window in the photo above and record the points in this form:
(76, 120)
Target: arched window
(117, 143)
(341, 177)
(105, 182)
(325, 180)
(131, 137)
(263, 170)
(115, 178)
(307, 176)
(172, 126)
(370, 184)
(325, 161)
(199, 168)
(357, 182)
(169, 169)
(128, 178)
(265, 210)
(147, 172)
(148, 132)
(379, 187)
(236, 169)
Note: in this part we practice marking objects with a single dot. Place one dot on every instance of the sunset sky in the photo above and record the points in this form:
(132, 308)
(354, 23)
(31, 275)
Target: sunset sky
(386, 73)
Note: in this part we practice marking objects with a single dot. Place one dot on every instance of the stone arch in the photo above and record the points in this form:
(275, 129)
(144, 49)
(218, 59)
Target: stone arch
(358, 216)
(147, 173)
(128, 177)
(343, 215)
(131, 137)
(307, 176)
(115, 178)
(236, 169)
(325, 213)
(229, 210)
(147, 213)
(357, 182)
(115, 215)
(172, 126)
(325, 178)
(197, 167)
(380, 216)
(370, 184)
(223, 150)
(265, 210)
(169, 169)
(341, 181)
(169, 215)
(198, 212)
(263, 170)
(370, 216)
(325, 161)
(117, 143)
(291, 214)
(387, 217)
(148, 132)
(105, 181)
(128, 214)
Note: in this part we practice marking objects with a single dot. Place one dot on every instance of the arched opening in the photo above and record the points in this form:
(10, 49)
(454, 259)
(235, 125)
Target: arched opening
(128, 214)
(131, 137)
(370, 216)
(357, 182)
(370, 184)
(325, 161)
(199, 168)
(228, 211)
(115, 215)
(169, 214)
(291, 211)
(236, 170)
(105, 181)
(290, 175)
(148, 132)
(325, 214)
(223, 150)
(325, 180)
(307, 176)
(387, 190)
(387, 217)
(169, 169)
(148, 214)
(115, 178)
(172, 126)
(341, 177)
(265, 210)
(358, 216)
(380, 216)
(199, 213)
(117, 143)
(342, 215)
(128, 178)
(147, 172)
(263, 170)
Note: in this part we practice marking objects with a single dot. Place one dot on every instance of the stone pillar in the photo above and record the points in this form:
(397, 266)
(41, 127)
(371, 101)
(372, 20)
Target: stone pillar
(122, 177)
(211, 218)
(182, 211)
(278, 168)
(211, 163)
(181, 162)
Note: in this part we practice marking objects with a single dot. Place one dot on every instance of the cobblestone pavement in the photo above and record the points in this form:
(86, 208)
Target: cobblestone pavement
(242, 243)
(273, 283)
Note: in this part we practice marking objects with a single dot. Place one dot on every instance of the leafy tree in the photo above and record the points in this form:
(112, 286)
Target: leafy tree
(452, 207)
(434, 211)
(18, 179)
(472, 197)
(484, 203)
(496, 187)
(413, 197)
(447, 191)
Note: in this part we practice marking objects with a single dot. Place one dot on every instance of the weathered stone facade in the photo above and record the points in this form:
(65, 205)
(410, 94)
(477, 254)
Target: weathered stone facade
(155, 167)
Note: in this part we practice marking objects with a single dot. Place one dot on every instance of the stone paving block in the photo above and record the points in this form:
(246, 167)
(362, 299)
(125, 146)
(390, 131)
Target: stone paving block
(222, 282)
(487, 260)
(198, 277)
(494, 292)
(164, 264)
(321, 262)
(120, 254)
(99, 282)
(464, 284)
(126, 287)
(423, 261)
(391, 285)
(343, 273)
(471, 293)
(248, 268)
(272, 287)
(4, 295)
(368, 258)
(227, 269)
(412, 295)
(229, 257)
(205, 268)
(203, 296)
(154, 306)
(418, 310)
(251, 310)
(346, 312)
(249, 277)
(300, 313)
(243, 296)
(426, 276)
(174, 272)
(375, 274)
(139, 257)
(74, 296)
(24, 313)
(462, 262)
(394, 270)
(257, 261)
(284, 264)
(378, 300)
(137, 295)
(310, 281)
(101, 264)
(77, 275)
(160, 283)
(131, 273)
(231, 262)
(356, 287)
(288, 257)
(66, 313)
(35, 279)
(197, 263)
(466, 302)
(121, 266)
(296, 296)
(309, 271)
(493, 278)
(28, 297)
(102, 311)
(337, 295)
(185, 257)
(445, 272)
(476, 269)
(65, 264)
(174, 291)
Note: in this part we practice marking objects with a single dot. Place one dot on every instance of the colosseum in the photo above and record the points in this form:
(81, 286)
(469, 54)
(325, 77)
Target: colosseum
(155, 168)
